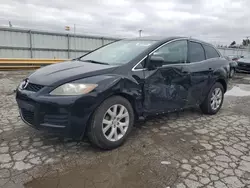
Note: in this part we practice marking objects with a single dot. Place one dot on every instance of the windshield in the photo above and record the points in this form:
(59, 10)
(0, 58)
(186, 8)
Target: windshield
(120, 52)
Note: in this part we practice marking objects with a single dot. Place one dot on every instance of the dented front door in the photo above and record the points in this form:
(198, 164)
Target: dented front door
(167, 87)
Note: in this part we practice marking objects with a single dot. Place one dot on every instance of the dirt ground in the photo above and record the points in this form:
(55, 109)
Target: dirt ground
(185, 149)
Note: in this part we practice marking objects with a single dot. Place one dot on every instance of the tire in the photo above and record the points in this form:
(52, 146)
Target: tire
(96, 130)
(206, 106)
(232, 72)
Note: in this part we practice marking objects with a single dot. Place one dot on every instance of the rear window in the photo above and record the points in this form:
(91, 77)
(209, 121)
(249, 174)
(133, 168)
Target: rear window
(210, 52)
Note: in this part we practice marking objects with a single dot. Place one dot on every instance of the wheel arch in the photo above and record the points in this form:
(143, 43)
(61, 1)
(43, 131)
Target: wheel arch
(134, 99)
(131, 99)
(223, 83)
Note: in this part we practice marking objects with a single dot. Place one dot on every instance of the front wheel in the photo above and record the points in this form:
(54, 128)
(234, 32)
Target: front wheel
(213, 102)
(111, 123)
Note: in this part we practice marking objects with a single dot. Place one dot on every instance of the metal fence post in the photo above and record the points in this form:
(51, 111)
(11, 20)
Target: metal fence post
(31, 49)
(68, 46)
(102, 41)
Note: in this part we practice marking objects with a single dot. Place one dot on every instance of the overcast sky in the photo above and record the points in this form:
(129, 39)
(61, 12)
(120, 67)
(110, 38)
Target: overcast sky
(220, 21)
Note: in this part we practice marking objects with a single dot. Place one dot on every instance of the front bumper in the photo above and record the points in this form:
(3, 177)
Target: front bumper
(67, 116)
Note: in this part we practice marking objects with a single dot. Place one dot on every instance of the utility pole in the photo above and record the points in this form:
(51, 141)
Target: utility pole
(75, 37)
(140, 31)
(10, 24)
(247, 43)
(248, 46)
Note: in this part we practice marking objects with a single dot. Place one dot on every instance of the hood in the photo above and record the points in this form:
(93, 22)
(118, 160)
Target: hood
(60, 73)
(244, 60)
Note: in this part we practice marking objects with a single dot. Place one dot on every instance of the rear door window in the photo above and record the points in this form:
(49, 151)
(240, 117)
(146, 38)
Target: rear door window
(196, 52)
(211, 52)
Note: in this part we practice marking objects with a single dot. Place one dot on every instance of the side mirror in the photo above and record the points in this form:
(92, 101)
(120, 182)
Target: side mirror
(155, 61)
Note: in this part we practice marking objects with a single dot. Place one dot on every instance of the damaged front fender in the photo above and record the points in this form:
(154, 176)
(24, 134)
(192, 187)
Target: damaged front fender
(109, 85)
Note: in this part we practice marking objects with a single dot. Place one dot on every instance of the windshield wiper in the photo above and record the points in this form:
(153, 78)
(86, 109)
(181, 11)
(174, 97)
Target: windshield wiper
(93, 61)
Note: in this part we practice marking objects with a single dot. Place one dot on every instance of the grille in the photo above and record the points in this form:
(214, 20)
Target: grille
(61, 119)
(28, 116)
(33, 87)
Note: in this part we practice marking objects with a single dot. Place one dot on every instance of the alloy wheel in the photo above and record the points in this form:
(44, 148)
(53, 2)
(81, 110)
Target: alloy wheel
(216, 98)
(115, 122)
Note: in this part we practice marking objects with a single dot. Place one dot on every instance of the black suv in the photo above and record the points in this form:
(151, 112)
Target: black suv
(102, 93)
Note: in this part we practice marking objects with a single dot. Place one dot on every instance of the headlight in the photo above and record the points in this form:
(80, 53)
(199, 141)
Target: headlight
(73, 89)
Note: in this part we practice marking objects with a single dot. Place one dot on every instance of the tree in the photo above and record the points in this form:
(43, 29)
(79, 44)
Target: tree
(245, 42)
(233, 43)
(248, 41)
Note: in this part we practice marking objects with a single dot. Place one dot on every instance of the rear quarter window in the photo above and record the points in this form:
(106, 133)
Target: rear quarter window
(211, 52)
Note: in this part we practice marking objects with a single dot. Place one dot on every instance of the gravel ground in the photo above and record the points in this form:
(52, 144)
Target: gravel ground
(186, 149)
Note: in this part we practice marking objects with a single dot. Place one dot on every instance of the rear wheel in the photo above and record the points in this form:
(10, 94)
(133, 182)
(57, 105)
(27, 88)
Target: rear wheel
(214, 99)
(111, 123)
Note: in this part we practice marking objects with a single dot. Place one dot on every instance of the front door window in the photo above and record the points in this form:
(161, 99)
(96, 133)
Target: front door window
(173, 53)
